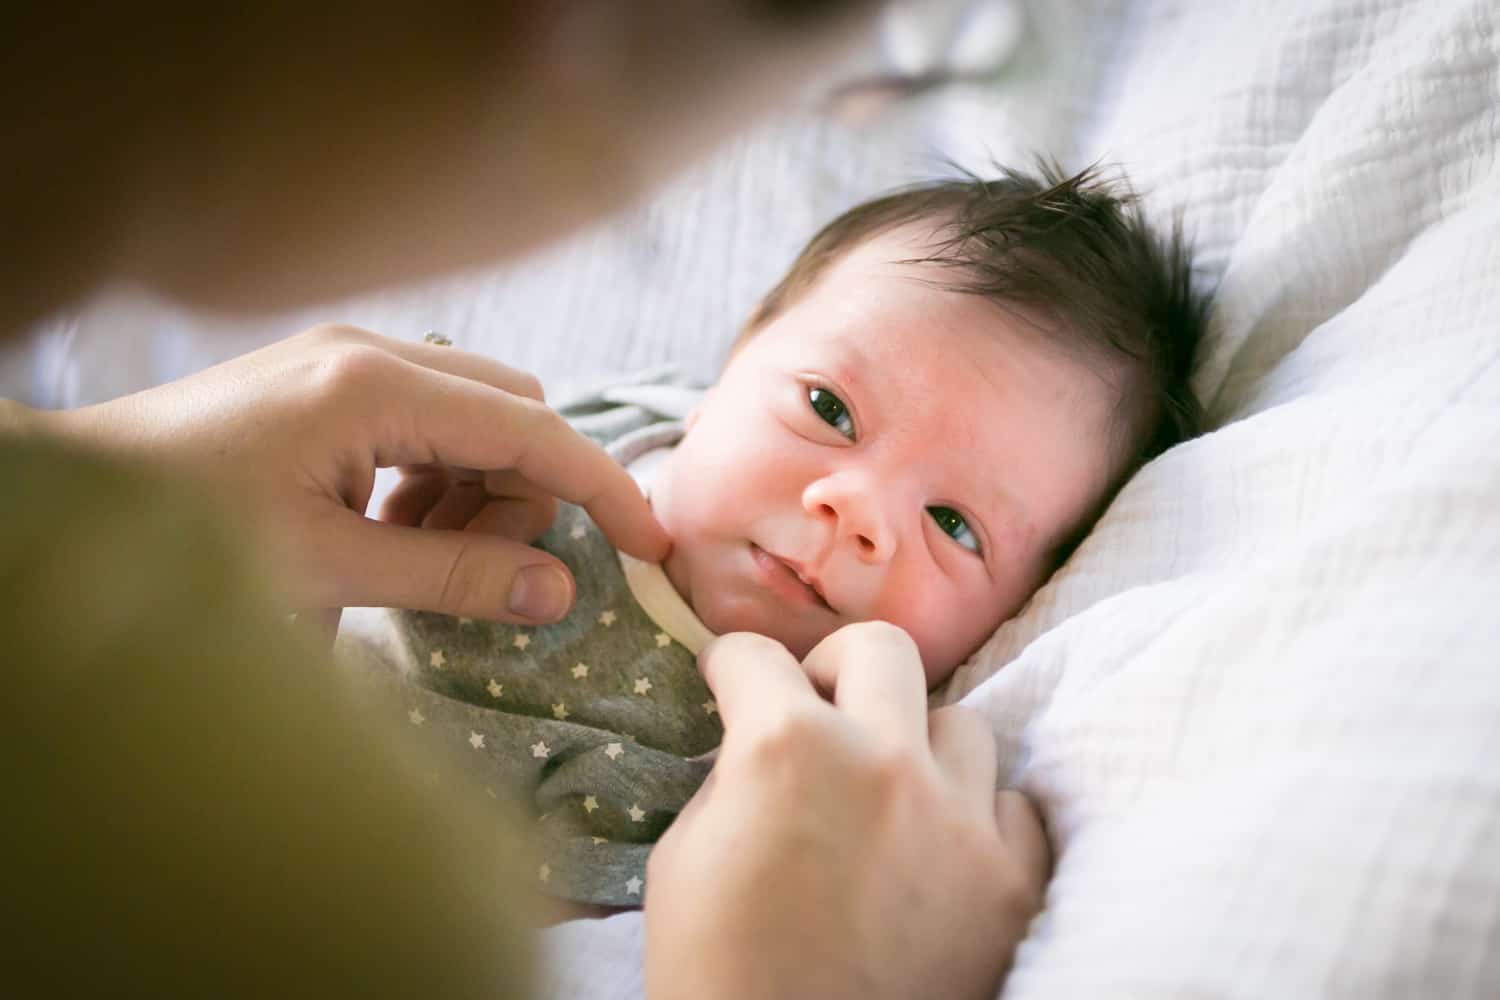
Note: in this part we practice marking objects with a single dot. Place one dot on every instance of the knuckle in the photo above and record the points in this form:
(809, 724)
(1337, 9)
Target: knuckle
(1020, 896)
(336, 333)
(530, 386)
(469, 583)
(748, 645)
(351, 366)
(533, 412)
(896, 770)
(726, 651)
(790, 735)
(866, 639)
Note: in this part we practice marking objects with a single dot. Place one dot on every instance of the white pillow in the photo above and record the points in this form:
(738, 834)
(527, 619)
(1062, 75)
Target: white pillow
(1261, 705)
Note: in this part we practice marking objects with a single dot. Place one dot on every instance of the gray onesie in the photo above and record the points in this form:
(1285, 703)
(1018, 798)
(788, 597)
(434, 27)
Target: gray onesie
(598, 722)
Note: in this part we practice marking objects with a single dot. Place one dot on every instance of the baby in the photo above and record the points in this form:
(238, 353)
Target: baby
(917, 425)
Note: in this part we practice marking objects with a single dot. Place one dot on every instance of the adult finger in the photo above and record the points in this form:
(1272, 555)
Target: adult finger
(457, 506)
(459, 422)
(1021, 830)
(517, 508)
(755, 682)
(417, 492)
(964, 747)
(510, 484)
(440, 358)
(461, 573)
(873, 672)
(525, 520)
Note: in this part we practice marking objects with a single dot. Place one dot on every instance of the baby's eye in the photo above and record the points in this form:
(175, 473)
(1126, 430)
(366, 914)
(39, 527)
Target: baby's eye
(954, 526)
(832, 410)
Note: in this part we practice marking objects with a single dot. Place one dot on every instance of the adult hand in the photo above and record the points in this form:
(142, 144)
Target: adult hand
(851, 849)
(298, 429)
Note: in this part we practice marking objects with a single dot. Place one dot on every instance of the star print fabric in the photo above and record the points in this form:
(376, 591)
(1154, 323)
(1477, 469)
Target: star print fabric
(597, 723)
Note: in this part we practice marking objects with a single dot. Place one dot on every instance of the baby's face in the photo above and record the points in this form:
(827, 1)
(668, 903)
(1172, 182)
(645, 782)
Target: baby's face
(884, 449)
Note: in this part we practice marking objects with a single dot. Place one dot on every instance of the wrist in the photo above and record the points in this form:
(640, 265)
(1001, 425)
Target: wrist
(19, 422)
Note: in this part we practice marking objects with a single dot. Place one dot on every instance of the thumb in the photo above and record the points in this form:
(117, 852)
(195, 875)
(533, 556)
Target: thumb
(366, 563)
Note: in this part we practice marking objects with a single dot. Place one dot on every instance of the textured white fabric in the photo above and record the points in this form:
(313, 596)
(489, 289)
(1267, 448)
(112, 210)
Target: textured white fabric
(1261, 706)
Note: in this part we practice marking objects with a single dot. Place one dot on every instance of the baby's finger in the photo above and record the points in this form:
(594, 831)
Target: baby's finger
(964, 748)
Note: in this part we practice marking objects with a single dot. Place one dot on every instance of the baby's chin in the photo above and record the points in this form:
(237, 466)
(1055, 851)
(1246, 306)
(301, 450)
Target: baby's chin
(799, 637)
(721, 616)
(741, 616)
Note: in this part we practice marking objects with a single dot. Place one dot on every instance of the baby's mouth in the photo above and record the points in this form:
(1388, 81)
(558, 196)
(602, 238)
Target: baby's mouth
(784, 578)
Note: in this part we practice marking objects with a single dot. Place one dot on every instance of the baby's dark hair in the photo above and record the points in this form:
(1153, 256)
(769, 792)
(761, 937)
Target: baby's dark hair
(1074, 259)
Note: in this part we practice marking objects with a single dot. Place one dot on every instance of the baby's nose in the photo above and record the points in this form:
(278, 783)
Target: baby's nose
(857, 515)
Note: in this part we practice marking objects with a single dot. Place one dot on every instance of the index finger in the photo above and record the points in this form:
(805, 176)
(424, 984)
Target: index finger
(461, 422)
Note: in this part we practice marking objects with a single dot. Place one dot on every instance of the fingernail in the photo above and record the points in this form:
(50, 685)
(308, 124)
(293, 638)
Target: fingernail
(540, 592)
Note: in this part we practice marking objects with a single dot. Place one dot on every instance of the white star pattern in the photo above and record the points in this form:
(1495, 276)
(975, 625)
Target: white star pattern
(437, 659)
(663, 640)
(710, 707)
(578, 530)
(521, 641)
(606, 618)
(540, 750)
(590, 803)
(633, 886)
(580, 670)
(416, 717)
(476, 740)
(560, 711)
(495, 688)
(614, 750)
(637, 814)
(642, 685)
(544, 873)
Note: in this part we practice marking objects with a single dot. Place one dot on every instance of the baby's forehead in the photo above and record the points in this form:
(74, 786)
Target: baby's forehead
(897, 248)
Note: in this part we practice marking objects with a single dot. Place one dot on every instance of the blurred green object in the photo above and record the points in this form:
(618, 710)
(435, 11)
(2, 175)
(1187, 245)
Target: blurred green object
(195, 803)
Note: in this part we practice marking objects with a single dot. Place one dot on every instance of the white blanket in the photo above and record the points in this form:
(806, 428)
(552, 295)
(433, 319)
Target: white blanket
(1260, 707)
